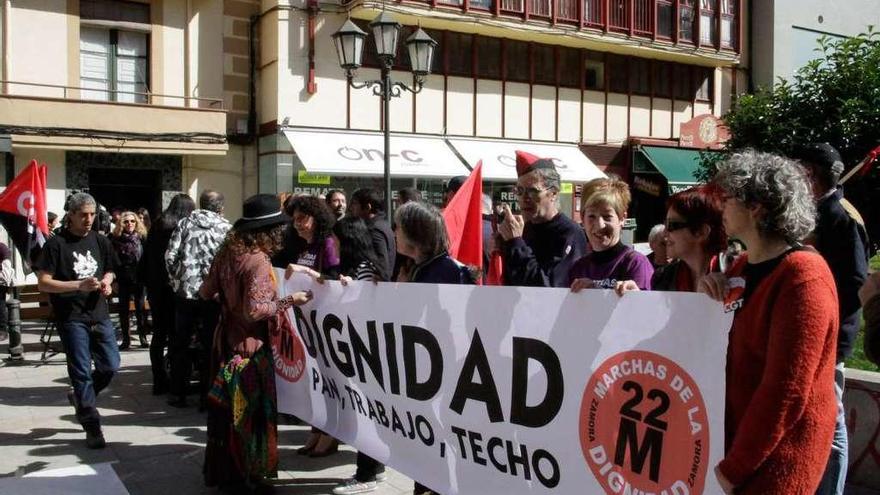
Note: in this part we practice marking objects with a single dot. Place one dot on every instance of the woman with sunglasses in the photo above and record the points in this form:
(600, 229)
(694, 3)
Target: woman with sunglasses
(611, 262)
(128, 242)
(695, 237)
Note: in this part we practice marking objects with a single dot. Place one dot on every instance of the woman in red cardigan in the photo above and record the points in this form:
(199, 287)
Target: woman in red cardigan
(781, 407)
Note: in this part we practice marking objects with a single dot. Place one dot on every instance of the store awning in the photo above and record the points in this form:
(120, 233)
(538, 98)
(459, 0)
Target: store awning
(499, 158)
(679, 166)
(345, 153)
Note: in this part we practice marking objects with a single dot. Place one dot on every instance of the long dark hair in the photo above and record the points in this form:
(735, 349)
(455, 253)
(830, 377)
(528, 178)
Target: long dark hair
(180, 207)
(318, 210)
(355, 245)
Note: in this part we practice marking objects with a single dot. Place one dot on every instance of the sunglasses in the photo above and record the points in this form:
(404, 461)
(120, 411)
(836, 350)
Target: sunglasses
(673, 225)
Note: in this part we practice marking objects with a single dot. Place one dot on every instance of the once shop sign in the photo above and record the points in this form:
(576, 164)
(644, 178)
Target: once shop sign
(407, 157)
(362, 154)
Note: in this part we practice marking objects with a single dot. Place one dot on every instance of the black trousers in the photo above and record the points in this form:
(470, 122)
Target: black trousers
(127, 292)
(367, 468)
(162, 307)
(193, 319)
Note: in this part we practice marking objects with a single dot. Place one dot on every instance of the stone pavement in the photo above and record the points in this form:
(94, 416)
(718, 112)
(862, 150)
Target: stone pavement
(155, 448)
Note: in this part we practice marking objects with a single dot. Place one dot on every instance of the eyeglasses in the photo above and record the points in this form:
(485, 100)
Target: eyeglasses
(673, 225)
(532, 192)
(129, 221)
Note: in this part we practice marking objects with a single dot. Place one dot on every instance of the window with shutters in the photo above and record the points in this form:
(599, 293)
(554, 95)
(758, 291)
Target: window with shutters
(114, 50)
(114, 65)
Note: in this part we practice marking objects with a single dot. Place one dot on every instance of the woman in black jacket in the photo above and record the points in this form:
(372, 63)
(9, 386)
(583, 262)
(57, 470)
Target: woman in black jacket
(159, 292)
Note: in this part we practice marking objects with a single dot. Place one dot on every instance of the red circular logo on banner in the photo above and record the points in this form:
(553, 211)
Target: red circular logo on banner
(288, 350)
(643, 426)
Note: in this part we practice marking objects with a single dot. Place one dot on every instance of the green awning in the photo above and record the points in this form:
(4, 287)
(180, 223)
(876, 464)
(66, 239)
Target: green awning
(679, 166)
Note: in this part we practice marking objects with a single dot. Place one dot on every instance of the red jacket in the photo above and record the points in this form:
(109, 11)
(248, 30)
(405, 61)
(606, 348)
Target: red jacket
(781, 406)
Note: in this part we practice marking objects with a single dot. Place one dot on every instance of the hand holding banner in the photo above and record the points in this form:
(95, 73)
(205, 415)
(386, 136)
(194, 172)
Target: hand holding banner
(513, 390)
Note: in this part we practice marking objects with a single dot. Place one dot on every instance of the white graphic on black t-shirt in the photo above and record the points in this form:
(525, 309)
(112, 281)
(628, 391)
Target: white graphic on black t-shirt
(84, 265)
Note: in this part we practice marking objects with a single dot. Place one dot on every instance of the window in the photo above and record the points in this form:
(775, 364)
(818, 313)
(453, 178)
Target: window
(544, 61)
(639, 76)
(618, 74)
(517, 58)
(570, 63)
(115, 10)
(703, 83)
(683, 82)
(113, 65)
(662, 79)
(729, 35)
(665, 13)
(594, 71)
(481, 4)
(686, 20)
(459, 53)
(708, 24)
(488, 57)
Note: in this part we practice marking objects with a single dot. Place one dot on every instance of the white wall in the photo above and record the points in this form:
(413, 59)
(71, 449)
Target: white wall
(38, 46)
(786, 31)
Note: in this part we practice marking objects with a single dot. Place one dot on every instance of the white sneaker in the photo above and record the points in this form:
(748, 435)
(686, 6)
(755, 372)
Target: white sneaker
(352, 486)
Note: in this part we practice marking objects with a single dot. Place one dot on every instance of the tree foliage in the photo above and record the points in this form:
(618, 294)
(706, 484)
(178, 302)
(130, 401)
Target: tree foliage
(835, 98)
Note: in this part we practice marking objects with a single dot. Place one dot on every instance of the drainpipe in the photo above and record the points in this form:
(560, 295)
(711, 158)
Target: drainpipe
(312, 86)
(7, 11)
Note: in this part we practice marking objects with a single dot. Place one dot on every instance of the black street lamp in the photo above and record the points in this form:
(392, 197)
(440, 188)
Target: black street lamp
(349, 42)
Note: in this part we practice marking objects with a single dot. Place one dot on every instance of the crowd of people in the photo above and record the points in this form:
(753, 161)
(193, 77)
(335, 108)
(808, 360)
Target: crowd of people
(212, 292)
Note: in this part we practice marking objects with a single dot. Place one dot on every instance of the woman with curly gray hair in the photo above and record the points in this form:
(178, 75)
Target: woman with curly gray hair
(781, 407)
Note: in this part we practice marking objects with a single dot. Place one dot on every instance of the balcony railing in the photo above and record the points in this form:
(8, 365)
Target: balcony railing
(701, 23)
(17, 88)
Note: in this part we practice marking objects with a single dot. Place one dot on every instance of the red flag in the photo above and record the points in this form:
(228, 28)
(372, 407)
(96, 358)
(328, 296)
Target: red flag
(464, 220)
(495, 272)
(23, 209)
(869, 161)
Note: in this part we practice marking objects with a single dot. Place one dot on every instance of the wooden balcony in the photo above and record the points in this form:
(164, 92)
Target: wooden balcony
(706, 24)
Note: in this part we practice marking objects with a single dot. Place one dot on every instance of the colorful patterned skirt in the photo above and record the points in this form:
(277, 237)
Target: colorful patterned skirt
(242, 421)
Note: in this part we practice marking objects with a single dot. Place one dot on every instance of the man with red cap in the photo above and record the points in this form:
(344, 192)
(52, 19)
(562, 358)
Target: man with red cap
(540, 245)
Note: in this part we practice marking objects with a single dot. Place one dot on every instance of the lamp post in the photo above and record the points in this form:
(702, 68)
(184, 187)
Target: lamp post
(349, 41)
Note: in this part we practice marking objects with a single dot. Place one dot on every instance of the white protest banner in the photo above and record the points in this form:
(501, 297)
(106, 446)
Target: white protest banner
(504, 390)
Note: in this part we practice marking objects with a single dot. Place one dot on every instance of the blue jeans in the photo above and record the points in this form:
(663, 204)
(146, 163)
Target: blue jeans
(834, 478)
(84, 342)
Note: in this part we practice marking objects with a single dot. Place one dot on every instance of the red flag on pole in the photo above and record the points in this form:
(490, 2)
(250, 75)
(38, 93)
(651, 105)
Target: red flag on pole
(23, 210)
(464, 220)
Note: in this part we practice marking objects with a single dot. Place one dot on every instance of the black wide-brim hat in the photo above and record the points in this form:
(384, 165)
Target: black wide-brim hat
(259, 211)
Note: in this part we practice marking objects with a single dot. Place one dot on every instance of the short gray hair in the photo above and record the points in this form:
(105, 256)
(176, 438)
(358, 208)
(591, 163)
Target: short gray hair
(777, 184)
(78, 201)
(655, 232)
(550, 177)
(211, 200)
(423, 225)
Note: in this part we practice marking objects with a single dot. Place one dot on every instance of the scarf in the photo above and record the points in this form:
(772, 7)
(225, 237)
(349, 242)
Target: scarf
(128, 247)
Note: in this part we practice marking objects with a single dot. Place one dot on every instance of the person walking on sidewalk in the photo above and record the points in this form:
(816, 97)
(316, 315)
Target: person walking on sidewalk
(127, 239)
(191, 250)
(76, 267)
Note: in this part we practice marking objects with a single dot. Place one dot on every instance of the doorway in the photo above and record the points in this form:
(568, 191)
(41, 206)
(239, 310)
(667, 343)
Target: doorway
(129, 189)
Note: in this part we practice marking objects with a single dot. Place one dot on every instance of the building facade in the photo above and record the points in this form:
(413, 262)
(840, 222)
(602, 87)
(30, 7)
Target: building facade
(789, 32)
(131, 100)
(590, 73)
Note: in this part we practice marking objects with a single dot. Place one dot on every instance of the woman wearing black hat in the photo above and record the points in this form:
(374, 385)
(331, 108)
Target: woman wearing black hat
(242, 449)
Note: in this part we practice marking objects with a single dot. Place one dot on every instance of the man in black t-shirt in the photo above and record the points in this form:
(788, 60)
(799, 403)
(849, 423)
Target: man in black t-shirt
(76, 269)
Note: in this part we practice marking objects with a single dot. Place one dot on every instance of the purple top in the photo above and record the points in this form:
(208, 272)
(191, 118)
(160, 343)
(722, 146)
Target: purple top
(606, 268)
(313, 257)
